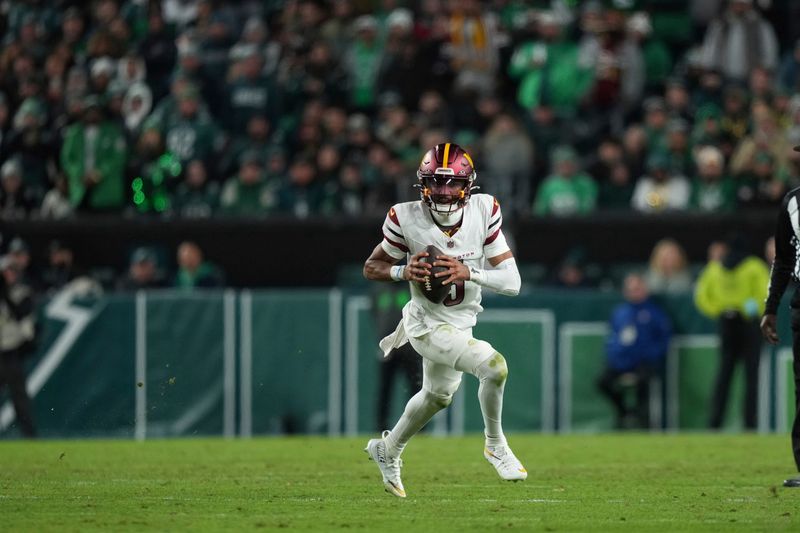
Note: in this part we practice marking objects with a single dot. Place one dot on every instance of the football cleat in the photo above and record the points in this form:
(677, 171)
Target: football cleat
(389, 466)
(792, 482)
(505, 462)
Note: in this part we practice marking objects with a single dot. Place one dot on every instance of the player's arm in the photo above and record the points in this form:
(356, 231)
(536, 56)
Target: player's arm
(382, 263)
(782, 267)
(503, 278)
(380, 266)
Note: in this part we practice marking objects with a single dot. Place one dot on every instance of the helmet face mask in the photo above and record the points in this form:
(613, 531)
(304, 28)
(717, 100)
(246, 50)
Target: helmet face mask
(445, 178)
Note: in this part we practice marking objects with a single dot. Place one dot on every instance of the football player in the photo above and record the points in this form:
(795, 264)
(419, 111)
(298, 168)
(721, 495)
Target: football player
(468, 227)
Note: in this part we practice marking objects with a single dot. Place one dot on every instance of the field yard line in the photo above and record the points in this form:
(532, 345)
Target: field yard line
(229, 364)
(246, 363)
(335, 362)
(77, 318)
(140, 430)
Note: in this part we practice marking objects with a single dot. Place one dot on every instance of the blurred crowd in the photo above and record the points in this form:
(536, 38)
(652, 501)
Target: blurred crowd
(185, 268)
(195, 108)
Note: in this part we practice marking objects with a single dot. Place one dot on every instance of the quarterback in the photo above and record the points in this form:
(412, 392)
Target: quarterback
(468, 227)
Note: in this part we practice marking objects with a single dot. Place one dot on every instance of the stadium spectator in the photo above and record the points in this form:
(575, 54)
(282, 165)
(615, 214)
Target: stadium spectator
(739, 40)
(508, 157)
(660, 190)
(707, 129)
(194, 272)
(732, 290)
(735, 119)
(609, 171)
(762, 185)
(567, 191)
(196, 196)
(634, 146)
(657, 57)
(33, 145)
(789, 72)
(571, 272)
(5, 124)
(16, 202)
(17, 339)
(472, 49)
(249, 193)
(136, 105)
(618, 71)
(362, 63)
(712, 190)
(143, 272)
(765, 136)
(93, 157)
(249, 92)
(548, 69)
(56, 204)
(61, 268)
(405, 59)
(304, 194)
(188, 130)
(677, 147)
(157, 50)
(636, 347)
(256, 138)
(655, 123)
(677, 100)
(668, 269)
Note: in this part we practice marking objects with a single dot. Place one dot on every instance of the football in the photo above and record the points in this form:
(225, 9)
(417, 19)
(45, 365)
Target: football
(433, 287)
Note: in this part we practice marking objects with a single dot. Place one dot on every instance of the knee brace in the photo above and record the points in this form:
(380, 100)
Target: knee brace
(493, 369)
(438, 400)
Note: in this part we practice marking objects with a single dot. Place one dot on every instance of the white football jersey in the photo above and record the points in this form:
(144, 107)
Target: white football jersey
(409, 228)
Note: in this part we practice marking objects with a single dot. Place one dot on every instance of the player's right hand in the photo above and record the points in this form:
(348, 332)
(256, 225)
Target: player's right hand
(416, 270)
(769, 328)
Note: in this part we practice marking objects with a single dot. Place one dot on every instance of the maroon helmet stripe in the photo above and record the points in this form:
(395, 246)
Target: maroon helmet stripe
(492, 237)
(395, 244)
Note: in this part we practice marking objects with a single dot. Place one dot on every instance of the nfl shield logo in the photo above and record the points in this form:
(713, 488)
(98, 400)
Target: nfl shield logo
(450, 244)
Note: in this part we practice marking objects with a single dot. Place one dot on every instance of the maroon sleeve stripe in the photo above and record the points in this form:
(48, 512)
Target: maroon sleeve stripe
(491, 238)
(495, 206)
(396, 244)
(393, 217)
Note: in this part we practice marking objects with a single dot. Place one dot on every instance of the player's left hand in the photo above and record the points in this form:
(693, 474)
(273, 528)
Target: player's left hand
(769, 328)
(456, 270)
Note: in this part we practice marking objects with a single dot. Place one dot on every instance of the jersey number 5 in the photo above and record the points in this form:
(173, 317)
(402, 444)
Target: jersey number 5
(456, 295)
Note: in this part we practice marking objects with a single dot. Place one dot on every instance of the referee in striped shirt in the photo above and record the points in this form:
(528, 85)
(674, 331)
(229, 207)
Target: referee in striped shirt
(786, 268)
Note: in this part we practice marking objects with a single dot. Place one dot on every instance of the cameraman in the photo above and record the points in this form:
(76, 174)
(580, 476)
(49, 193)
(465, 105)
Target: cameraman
(17, 336)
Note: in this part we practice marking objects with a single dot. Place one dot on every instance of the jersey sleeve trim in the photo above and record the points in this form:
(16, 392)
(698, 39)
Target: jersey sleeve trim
(396, 244)
(491, 238)
(393, 216)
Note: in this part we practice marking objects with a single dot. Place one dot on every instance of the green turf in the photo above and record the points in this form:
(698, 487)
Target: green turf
(600, 483)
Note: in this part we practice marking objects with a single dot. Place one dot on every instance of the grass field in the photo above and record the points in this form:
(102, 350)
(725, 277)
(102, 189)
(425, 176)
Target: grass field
(600, 483)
